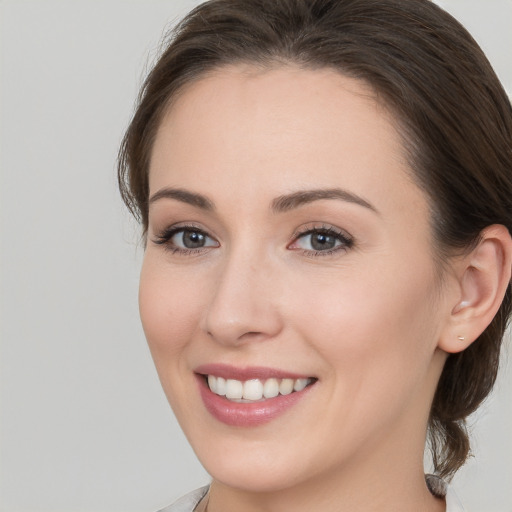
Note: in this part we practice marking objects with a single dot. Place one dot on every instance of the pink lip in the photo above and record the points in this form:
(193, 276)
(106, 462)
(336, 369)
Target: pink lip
(246, 414)
(251, 372)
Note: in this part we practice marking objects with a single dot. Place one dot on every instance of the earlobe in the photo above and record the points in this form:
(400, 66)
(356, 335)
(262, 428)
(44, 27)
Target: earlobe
(483, 278)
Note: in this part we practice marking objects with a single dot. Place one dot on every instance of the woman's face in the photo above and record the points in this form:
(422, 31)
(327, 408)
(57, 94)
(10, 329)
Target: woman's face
(289, 247)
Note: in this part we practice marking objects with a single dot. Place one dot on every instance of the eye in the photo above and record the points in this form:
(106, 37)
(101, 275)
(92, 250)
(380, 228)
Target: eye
(324, 240)
(185, 239)
(191, 239)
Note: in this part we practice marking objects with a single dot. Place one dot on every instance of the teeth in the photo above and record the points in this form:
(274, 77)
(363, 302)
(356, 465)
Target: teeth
(286, 386)
(300, 384)
(234, 389)
(221, 386)
(271, 388)
(254, 389)
(212, 383)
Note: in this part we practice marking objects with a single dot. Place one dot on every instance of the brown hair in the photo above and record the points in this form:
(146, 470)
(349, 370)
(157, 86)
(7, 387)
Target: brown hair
(455, 118)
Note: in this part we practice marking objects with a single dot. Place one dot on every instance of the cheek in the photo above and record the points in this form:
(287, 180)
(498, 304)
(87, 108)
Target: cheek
(374, 336)
(374, 327)
(168, 308)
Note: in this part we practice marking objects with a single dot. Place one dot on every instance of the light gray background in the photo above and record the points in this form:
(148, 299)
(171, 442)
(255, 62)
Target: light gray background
(85, 426)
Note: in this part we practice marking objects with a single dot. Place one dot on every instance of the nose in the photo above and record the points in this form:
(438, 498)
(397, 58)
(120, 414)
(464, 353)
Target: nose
(243, 305)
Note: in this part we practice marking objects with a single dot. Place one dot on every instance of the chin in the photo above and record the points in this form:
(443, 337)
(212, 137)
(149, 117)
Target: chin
(255, 479)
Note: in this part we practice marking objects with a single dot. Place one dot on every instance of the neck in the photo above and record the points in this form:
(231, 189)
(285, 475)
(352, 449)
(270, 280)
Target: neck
(374, 493)
(389, 479)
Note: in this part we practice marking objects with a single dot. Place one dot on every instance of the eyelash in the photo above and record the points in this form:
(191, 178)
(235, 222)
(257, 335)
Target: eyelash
(347, 242)
(164, 238)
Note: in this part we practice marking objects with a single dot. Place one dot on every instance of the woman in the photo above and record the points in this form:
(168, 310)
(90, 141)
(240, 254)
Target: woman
(325, 192)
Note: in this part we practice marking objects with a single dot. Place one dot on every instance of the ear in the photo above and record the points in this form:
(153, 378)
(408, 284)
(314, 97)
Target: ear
(482, 278)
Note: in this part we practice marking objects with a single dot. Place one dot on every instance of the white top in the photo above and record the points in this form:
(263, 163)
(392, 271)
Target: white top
(189, 502)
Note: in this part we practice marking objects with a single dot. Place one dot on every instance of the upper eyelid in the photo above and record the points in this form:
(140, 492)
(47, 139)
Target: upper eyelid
(346, 239)
(164, 235)
(313, 227)
(186, 226)
(306, 229)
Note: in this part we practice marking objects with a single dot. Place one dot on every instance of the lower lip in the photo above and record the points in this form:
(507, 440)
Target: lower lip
(248, 414)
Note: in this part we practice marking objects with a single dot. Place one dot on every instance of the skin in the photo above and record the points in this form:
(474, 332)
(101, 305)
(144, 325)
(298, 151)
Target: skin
(365, 320)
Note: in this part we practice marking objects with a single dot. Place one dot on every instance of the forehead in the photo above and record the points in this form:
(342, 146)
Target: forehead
(245, 128)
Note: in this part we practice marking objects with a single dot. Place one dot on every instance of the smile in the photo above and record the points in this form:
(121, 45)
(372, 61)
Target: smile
(255, 390)
(250, 396)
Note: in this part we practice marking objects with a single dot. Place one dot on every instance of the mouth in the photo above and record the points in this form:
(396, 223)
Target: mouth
(249, 397)
(255, 390)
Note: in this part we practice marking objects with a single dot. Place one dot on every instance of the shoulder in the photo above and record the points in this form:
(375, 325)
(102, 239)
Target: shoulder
(188, 502)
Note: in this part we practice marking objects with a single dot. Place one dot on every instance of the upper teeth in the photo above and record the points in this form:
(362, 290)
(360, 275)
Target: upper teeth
(254, 389)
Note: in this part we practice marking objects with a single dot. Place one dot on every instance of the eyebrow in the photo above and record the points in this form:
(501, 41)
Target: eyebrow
(280, 204)
(184, 196)
(302, 197)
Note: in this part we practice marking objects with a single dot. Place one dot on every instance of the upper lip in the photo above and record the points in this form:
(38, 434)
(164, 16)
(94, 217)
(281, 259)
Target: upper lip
(246, 373)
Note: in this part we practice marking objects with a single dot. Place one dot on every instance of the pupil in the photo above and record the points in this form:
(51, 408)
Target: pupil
(193, 239)
(321, 242)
